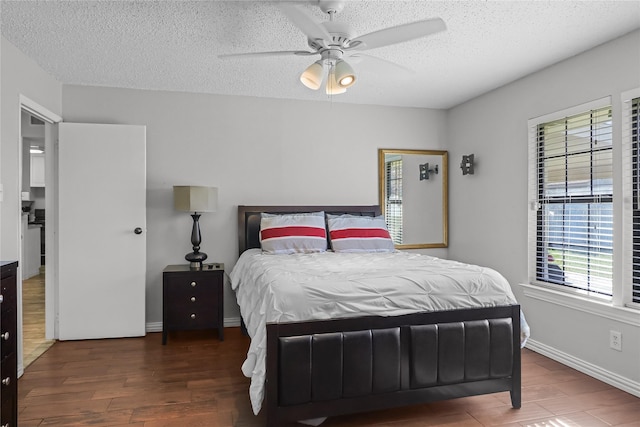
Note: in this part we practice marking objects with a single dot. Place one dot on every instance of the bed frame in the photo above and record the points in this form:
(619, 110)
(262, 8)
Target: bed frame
(334, 367)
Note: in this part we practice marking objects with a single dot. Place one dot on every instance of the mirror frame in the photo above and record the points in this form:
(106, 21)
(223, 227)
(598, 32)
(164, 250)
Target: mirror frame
(445, 193)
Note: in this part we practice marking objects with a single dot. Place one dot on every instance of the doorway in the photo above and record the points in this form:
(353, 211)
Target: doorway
(37, 133)
(33, 223)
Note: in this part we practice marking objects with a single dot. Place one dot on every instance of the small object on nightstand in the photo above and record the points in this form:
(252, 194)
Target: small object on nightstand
(193, 299)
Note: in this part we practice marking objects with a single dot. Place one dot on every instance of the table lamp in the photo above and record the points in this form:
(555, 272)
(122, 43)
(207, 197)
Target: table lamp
(196, 199)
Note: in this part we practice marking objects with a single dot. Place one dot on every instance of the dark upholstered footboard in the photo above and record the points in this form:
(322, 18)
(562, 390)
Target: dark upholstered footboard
(333, 367)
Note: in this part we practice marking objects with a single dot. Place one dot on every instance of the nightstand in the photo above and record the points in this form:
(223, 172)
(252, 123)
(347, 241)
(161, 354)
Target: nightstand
(192, 299)
(8, 345)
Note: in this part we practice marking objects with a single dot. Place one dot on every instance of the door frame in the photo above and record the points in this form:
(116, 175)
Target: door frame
(51, 265)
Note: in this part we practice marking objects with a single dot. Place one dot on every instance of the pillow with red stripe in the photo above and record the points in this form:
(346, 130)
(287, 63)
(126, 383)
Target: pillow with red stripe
(293, 233)
(351, 233)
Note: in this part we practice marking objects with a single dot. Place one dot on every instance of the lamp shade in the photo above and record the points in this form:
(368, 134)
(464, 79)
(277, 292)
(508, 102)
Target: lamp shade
(314, 74)
(345, 76)
(333, 88)
(191, 198)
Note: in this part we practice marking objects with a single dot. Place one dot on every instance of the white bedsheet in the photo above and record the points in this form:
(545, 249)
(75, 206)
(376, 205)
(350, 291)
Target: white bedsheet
(285, 288)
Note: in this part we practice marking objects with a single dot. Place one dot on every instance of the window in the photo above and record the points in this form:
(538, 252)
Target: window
(393, 202)
(635, 178)
(573, 201)
(631, 181)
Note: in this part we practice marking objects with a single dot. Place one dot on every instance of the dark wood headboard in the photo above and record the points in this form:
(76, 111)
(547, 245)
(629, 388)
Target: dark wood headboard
(249, 219)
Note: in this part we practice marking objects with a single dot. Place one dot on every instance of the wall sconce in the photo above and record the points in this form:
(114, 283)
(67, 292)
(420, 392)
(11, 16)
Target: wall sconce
(425, 171)
(467, 164)
(195, 199)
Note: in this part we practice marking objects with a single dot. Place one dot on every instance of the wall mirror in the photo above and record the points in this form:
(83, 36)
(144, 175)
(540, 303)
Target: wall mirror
(414, 197)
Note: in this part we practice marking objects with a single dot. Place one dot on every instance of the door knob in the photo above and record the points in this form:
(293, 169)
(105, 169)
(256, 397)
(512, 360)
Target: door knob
(138, 230)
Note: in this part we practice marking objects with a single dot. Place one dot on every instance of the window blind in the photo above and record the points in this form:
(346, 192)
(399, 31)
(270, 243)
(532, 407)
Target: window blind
(574, 202)
(393, 202)
(634, 153)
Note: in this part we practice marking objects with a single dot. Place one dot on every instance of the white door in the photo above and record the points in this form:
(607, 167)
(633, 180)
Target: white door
(101, 230)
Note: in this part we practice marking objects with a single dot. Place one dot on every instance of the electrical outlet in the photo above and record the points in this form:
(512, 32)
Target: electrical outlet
(615, 340)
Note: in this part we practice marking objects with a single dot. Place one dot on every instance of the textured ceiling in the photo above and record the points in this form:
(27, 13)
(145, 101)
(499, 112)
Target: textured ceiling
(173, 45)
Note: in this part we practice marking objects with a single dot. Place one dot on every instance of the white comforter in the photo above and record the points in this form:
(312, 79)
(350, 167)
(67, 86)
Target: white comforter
(285, 288)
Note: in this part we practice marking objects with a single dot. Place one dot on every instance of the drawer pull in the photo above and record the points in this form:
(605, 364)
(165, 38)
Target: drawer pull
(5, 336)
(193, 315)
(193, 299)
(193, 284)
(1, 298)
(6, 381)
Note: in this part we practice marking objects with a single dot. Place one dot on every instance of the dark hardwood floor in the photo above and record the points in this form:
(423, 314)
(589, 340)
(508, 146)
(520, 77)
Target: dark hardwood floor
(195, 380)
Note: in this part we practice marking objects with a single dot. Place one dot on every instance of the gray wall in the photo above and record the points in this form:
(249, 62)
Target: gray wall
(20, 75)
(422, 214)
(488, 210)
(256, 151)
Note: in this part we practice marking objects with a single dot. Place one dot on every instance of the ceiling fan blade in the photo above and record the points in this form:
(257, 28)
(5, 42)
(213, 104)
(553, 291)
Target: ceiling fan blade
(381, 65)
(266, 54)
(304, 21)
(398, 34)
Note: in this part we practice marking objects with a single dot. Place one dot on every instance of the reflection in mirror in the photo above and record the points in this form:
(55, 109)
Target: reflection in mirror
(414, 196)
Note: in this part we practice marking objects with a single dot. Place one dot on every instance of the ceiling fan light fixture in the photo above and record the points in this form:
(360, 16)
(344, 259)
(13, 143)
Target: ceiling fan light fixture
(333, 88)
(345, 76)
(314, 74)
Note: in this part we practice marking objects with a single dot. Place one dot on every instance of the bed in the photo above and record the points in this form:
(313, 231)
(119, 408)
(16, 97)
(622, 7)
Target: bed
(312, 365)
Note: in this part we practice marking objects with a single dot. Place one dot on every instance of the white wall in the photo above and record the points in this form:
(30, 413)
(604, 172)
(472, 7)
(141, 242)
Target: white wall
(422, 214)
(20, 75)
(488, 210)
(256, 151)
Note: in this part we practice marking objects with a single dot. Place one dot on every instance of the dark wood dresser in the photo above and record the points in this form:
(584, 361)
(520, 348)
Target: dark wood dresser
(192, 299)
(8, 346)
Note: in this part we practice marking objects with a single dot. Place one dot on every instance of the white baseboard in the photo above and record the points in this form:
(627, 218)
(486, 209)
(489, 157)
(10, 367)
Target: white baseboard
(33, 273)
(229, 322)
(590, 369)
(154, 327)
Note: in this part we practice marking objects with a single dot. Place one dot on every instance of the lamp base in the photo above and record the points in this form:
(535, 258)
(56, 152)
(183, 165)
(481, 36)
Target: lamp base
(195, 259)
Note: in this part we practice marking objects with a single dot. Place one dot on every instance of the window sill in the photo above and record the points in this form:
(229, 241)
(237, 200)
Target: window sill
(587, 305)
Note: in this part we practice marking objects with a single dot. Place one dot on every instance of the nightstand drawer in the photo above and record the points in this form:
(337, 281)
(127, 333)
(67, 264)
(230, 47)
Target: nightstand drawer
(184, 289)
(189, 300)
(8, 291)
(192, 317)
(8, 373)
(9, 389)
(7, 334)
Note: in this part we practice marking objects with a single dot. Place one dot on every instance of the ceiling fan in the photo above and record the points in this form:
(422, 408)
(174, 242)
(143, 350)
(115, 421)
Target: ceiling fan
(334, 42)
